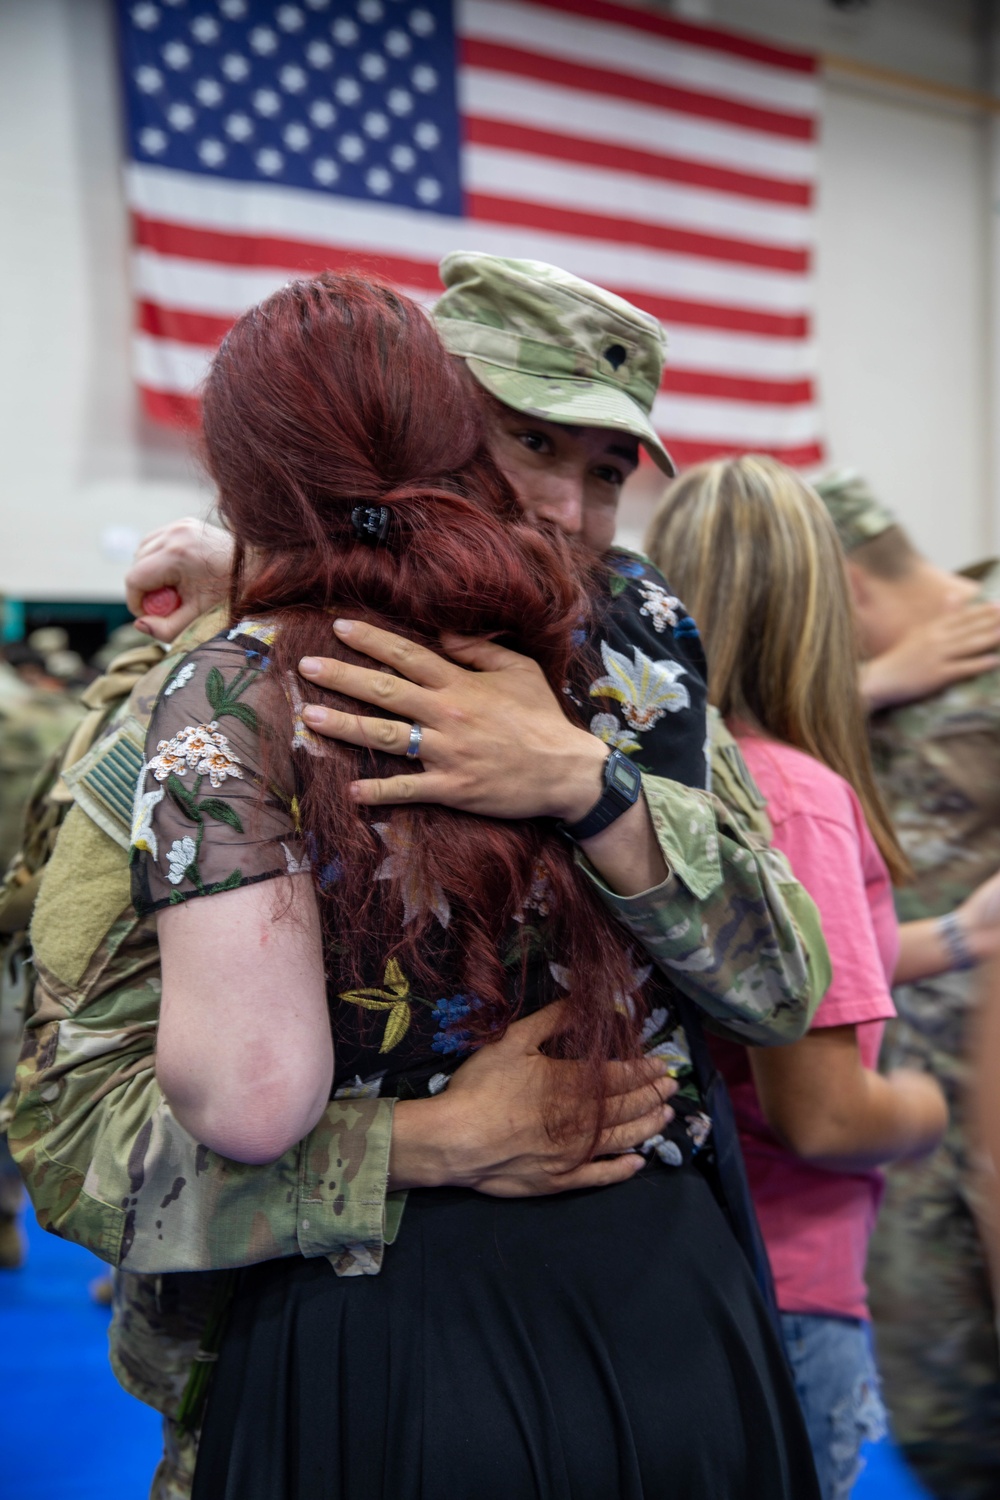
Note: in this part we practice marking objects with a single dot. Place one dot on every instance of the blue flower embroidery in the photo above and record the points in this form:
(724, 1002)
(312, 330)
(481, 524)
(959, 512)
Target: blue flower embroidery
(450, 1036)
(628, 567)
(328, 874)
(686, 627)
(256, 659)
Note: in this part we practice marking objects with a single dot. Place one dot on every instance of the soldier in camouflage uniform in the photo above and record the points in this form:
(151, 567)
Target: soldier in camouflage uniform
(938, 765)
(34, 722)
(110, 1167)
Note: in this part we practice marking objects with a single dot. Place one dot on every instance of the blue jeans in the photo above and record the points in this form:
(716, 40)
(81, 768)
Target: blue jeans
(838, 1389)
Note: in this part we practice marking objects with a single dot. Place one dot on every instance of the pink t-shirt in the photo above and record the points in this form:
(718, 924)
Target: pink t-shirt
(816, 1223)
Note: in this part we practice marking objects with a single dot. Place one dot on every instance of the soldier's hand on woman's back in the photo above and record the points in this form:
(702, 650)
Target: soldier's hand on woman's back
(189, 556)
(947, 648)
(492, 1129)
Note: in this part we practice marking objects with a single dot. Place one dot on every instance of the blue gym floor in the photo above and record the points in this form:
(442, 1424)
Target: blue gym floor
(69, 1432)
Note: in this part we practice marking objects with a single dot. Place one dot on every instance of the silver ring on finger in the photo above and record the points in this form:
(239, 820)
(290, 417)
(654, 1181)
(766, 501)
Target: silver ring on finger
(416, 736)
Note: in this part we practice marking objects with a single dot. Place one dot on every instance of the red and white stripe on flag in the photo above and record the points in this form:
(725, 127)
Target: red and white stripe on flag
(672, 163)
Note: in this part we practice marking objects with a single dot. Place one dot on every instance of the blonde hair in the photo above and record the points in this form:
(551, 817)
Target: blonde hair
(752, 552)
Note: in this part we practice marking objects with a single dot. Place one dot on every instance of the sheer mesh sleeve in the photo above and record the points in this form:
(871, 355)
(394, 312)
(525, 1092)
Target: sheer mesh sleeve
(212, 811)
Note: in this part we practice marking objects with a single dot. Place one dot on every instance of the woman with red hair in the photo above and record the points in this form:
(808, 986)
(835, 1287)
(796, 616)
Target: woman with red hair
(596, 1343)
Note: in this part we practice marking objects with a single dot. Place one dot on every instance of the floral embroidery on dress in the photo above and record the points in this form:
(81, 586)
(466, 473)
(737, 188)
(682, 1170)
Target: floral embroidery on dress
(143, 833)
(303, 738)
(662, 608)
(199, 746)
(450, 1036)
(662, 1037)
(539, 897)
(180, 857)
(646, 689)
(608, 729)
(295, 866)
(419, 895)
(265, 631)
(393, 997)
(185, 674)
(361, 1088)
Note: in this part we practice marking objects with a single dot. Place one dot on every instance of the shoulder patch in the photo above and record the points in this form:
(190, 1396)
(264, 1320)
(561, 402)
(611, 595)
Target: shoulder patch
(103, 783)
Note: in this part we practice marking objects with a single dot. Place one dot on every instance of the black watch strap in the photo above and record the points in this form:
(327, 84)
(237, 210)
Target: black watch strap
(622, 785)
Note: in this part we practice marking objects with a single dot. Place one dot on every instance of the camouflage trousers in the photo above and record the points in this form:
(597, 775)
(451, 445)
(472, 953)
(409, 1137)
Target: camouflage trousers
(935, 1332)
(156, 1327)
(13, 990)
(174, 1474)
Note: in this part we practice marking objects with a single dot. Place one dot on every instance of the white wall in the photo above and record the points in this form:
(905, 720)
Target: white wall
(903, 306)
(80, 473)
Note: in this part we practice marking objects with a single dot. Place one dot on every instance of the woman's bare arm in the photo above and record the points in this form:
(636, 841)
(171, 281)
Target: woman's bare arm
(828, 1108)
(244, 1053)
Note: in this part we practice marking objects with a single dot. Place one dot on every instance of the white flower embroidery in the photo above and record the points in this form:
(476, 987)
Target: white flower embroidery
(179, 857)
(561, 975)
(660, 606)
(184, 675)
(143, 836)
(627, 1002)
(199, 746)
(264, 631)
(296, 866)
(539, 898)
(674, 1052)
(669, 1152)
(608, 729)
(419, 895)
(303, 738)
(438, 1082)
(699, 1128)
(361, 1088)
(646, 689)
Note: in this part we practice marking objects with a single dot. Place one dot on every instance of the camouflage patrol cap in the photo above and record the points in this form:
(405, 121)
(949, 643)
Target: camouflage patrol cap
(854, 510)
(548, 344)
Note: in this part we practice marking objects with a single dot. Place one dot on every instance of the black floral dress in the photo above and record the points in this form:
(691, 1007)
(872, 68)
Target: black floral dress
(597, 1343)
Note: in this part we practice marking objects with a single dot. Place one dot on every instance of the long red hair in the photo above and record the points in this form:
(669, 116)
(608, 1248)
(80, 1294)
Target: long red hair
(337, 392)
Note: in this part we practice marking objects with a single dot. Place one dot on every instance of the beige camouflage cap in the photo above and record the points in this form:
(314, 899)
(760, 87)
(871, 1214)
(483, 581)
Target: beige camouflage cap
(854, 510)
(553, 346)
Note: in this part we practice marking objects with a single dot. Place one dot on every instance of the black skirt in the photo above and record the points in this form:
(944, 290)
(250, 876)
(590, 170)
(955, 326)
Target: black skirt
(600, 1345)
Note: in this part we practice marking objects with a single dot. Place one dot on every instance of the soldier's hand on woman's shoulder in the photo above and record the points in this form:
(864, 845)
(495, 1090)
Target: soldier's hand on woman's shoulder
(189, 556)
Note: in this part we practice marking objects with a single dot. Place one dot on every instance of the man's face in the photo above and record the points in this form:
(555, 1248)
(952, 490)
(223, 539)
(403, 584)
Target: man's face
(572, 476)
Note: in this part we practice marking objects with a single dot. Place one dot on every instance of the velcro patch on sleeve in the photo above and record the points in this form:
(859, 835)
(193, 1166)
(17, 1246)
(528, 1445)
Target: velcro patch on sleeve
(104, 781)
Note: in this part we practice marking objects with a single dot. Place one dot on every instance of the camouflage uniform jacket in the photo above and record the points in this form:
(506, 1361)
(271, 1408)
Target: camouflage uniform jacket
(938, 766)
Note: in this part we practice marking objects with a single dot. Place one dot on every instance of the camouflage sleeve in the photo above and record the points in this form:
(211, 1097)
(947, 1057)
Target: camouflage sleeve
(108, 1166)
(730, 925)
(105, 1161)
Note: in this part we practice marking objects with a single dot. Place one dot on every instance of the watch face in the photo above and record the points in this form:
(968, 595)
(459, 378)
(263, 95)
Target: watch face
(624, 777)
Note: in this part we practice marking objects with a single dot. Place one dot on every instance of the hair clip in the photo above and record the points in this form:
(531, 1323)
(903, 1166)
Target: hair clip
(371, 522)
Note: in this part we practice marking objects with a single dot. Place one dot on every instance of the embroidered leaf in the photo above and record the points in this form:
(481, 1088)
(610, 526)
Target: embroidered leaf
(215, 688)
(184, 798)
(222, 812)
(396, 1027)
(241, 711)
(229, 884)
(618, 585)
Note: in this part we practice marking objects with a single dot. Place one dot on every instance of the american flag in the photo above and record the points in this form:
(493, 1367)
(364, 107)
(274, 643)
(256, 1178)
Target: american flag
(672, 163)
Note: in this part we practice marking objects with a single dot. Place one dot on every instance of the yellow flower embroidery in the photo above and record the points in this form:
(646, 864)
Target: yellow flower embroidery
(392, 999)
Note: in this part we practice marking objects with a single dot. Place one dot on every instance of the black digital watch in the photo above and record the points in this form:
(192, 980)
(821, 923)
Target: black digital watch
(622, 785)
